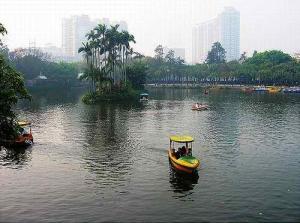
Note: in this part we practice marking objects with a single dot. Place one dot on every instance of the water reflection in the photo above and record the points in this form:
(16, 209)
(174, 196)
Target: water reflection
(182, 184)
(105, 161)
(15, 158)
(46, 97)
(109, 147)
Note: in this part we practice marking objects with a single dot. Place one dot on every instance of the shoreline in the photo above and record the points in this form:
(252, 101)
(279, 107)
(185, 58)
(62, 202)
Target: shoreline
(219, 86)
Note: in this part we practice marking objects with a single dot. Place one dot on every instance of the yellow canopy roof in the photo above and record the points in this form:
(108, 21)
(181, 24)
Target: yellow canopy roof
(181, 139)
(24, 123)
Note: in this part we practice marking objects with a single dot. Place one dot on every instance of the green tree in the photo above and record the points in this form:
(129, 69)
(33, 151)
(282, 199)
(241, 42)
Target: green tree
(11, 90)
(243, 57)
(159, 53)
(216, 55)
(106, 53)
(137, 74)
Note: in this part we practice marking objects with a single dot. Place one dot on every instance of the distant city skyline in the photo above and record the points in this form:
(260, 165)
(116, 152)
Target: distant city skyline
(264, 24)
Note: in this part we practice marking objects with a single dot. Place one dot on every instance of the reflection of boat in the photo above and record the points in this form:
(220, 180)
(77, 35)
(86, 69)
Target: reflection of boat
(260, 88)
(25, 136)
(291, 90)
(199, 107)
(273, 89)
(181, 183)
(144, 97)
(182, 159)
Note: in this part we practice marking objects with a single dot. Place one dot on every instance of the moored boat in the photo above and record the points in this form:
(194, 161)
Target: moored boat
(260, 88)
(25, 137)
(273, 89)
(182, 160)
(291, 90)
(248, 89)
(144, 97)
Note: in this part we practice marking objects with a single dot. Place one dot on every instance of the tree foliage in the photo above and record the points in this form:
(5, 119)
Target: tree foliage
(106, 53)
(11, 90)
(33, 62)
(270, 67)
(217, 54)
(136, 72)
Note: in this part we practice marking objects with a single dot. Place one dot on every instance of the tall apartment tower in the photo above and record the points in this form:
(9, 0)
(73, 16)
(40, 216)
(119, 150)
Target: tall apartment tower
(74, 30)
(224, 29)
(230, 33)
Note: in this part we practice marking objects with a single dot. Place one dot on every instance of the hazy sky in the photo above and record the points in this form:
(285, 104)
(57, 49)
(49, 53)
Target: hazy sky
(265, 24)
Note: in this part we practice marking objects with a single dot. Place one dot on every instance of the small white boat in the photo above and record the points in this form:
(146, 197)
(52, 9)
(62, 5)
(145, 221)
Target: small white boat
(199, 107)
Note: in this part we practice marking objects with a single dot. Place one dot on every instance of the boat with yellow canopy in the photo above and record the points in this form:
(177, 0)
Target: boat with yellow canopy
(182, 160)
(25, 137)
(273, 89)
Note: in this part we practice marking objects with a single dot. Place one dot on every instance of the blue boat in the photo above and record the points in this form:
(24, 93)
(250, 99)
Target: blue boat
(260, 88)
(291, 90)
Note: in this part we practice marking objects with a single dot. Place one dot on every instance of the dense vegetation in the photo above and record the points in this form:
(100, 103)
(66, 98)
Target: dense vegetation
(33, 62)
(110, 67)
(11, 89)
(269, 68)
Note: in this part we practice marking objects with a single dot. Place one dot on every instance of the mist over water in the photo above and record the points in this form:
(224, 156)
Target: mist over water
(109, 162)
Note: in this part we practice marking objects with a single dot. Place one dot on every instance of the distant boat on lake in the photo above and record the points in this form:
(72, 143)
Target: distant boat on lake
(291, 90)
(260, 89)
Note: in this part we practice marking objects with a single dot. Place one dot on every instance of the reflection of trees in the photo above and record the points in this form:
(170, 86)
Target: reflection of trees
(110, 148)
(53, 96)
(15, 157)
(173, 93)
(182, 184)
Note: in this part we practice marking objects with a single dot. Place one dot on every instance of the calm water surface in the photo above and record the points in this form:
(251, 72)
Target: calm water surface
(109, 162)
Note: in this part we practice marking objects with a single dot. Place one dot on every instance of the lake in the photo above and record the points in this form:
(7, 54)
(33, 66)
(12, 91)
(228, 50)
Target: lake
(109, 162)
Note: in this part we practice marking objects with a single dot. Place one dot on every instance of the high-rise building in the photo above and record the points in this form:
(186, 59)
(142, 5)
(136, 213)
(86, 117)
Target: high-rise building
(224, 29)
(230, 33)
(74, 30)
(204, 35)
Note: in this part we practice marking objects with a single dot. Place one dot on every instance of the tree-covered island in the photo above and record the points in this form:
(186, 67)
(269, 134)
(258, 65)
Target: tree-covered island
(111, 65)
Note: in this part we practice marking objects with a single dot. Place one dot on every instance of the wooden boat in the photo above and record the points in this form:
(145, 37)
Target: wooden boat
(25, 135)
(199, 107)
(273, 89)
(182, 160)
(144, 97)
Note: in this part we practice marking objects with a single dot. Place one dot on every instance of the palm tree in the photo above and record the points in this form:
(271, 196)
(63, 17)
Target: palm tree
(106, 53)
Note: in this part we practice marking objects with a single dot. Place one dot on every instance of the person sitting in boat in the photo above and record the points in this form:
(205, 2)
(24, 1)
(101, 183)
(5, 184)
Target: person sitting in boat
(21, 131)
(178, 153)
(183, 151)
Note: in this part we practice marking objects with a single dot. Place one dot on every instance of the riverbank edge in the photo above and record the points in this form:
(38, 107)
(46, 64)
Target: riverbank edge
(219, 86)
